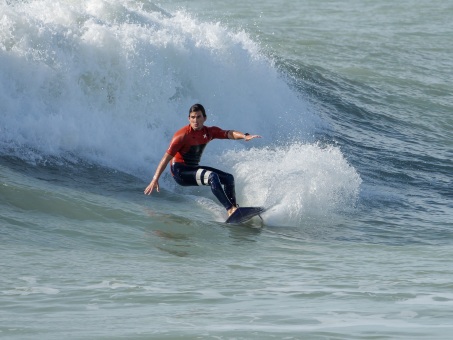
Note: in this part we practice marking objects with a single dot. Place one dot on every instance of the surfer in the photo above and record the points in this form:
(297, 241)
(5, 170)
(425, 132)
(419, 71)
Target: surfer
(185, 150)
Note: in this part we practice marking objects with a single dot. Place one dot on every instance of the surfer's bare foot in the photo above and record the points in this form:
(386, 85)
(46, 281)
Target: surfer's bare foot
(232, 210)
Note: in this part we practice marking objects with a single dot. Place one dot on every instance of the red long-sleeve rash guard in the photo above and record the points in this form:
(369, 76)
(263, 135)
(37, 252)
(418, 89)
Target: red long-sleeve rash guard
(187, 145)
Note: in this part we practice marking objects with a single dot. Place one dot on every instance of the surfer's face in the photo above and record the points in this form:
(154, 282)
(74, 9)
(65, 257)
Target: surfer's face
(196, 120)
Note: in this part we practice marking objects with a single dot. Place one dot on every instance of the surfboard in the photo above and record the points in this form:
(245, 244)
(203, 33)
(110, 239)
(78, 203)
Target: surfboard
(243, 214)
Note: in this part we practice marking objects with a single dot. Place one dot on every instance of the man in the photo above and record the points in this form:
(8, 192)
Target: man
(186, 148)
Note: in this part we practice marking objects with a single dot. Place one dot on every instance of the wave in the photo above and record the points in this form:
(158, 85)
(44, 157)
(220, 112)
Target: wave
(106, 80)
(109, 82)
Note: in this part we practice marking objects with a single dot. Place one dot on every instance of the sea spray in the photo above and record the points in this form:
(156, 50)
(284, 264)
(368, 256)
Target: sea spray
(296, 182)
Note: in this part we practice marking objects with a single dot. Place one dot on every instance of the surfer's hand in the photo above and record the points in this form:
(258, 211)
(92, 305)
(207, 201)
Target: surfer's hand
(250, 137)
(154, 184)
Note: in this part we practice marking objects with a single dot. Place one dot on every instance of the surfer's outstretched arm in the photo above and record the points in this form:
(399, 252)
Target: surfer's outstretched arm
(232, 134)
(160, 168)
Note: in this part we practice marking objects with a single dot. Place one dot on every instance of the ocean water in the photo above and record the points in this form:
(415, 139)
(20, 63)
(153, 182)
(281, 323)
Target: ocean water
(354, 103)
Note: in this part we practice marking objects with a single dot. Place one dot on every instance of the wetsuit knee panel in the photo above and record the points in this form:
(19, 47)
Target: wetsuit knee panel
(214, 179)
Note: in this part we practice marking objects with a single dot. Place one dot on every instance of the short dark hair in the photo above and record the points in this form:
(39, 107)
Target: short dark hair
(196, 108)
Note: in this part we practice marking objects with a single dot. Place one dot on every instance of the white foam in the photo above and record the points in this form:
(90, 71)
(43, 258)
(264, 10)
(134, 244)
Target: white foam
(430, 299)
(297, 182)
(110, 285)
(32, 287)
(110, 82)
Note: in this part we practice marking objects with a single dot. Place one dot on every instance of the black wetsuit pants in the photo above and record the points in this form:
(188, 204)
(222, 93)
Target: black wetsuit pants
(222, 183)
